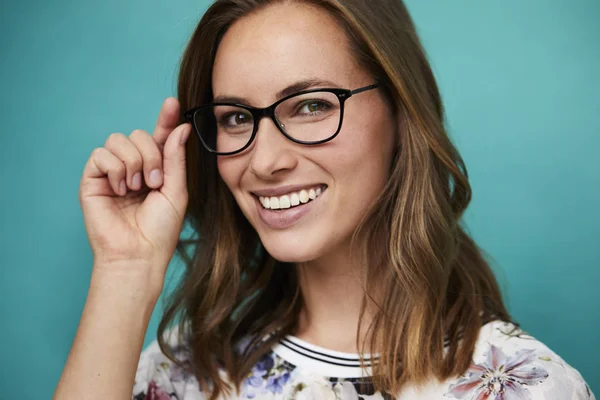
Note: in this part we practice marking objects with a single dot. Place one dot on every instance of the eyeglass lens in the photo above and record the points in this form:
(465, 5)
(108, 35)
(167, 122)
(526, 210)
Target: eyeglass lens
(309, 117)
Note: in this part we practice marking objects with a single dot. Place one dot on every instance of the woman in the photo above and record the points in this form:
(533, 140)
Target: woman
(328, 260)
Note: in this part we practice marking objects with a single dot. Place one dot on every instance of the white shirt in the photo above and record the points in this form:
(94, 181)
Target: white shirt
(507, 364)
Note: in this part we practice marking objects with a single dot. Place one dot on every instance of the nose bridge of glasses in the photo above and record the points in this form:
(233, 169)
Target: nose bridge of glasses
(266, 112)
(269, 138)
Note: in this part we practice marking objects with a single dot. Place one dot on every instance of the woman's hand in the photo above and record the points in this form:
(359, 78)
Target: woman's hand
(133, 217)
(133, 194)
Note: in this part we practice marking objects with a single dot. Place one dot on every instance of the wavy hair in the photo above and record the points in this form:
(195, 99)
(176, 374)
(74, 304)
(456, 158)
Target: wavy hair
(438, 289)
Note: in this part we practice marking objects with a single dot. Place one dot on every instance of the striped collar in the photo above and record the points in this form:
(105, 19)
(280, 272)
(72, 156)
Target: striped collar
(320, 360)
(332, 363)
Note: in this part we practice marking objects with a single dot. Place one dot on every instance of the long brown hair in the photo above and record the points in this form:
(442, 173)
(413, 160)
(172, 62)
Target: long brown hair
(439, 290)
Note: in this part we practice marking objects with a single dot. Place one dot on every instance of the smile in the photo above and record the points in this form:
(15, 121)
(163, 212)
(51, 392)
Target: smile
(292, 199)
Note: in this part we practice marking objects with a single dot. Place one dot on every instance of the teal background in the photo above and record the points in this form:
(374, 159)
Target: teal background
(520, 82)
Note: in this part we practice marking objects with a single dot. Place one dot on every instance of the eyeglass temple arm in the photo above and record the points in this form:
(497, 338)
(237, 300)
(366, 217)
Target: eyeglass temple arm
(364, 89)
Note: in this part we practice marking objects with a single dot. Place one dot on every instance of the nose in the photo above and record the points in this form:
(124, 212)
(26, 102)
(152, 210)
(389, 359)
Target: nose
(272, 154)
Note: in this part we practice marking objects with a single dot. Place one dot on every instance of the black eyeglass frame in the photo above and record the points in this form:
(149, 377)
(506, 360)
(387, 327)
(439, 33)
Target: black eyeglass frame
(259, 113)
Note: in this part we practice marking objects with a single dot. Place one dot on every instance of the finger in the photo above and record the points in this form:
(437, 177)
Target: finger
(119, 145)
(168, 119)
(96, 187)
(104, 164)
(151, 158)
(175, 186)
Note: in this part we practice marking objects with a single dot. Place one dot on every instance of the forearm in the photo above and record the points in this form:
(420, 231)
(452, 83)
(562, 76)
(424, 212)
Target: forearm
(106, 350)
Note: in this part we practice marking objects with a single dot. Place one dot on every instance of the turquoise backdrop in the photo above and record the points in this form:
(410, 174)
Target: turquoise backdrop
(520, 80)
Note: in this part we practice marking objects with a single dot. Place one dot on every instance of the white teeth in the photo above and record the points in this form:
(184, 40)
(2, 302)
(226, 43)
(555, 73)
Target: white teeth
(274, 203)
(284, 202)
(290, 200)
(295, 199)
(303, 196)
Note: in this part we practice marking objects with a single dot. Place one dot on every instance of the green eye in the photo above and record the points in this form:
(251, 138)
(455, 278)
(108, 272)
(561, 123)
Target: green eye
(314, 106)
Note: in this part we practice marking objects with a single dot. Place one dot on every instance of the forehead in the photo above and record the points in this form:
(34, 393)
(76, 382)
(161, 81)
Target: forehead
(278, 46)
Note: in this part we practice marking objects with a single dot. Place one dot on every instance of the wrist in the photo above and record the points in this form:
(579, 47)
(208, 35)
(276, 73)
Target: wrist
(132, 282)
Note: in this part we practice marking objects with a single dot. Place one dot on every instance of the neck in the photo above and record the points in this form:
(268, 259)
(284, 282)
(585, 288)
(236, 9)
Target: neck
(332, 292)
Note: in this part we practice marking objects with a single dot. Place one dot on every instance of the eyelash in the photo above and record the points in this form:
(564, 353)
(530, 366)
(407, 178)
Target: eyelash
(327, 104)
(223, 121)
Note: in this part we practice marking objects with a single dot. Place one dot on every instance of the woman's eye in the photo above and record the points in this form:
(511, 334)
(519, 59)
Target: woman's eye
(313, 106)
(236, 119)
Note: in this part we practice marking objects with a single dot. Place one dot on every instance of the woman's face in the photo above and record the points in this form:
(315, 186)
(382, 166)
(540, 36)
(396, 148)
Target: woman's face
(264, 54)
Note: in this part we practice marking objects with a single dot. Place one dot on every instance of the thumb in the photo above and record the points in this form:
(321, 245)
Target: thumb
(174, 184)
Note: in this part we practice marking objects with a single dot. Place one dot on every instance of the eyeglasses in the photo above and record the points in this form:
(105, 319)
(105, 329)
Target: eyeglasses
(309, 117)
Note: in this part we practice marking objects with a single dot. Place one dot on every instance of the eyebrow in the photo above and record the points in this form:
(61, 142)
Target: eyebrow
(289, 90)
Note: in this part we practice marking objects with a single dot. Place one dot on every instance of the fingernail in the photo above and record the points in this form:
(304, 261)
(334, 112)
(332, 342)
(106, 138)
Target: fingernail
(155, 177)
(122, 188)
(136, 181)
(185, 135)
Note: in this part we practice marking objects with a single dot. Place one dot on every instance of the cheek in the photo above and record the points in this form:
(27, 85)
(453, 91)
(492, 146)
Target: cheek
(230, 171)
(362, 169)
(366, 149)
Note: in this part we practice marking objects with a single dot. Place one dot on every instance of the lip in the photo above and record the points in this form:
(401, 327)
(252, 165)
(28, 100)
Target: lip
(279, 191)
(282, 219)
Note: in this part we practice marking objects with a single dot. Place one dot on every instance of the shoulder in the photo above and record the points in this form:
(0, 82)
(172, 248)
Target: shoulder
(158, 377)
(511, 364)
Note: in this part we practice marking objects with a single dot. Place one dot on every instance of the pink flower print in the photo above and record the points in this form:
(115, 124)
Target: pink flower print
(499, 377)
(156, 393)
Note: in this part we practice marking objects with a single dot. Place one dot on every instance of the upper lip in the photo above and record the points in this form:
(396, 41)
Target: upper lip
(278, 191)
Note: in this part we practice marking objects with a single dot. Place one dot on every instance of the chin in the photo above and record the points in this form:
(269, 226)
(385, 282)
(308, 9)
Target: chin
(292, 251)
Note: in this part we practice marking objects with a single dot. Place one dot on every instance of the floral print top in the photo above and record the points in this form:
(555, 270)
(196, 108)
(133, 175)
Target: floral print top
(507, 365)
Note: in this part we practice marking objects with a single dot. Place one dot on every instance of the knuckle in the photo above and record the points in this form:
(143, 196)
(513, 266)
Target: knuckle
(138, 133)
(97, 152)
(133, 161)
(119, 169)
(152, 162)
(113, 137)
(147, 148)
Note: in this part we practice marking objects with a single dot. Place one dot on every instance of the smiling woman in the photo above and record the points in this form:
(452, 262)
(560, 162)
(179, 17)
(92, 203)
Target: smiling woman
(308, 152)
